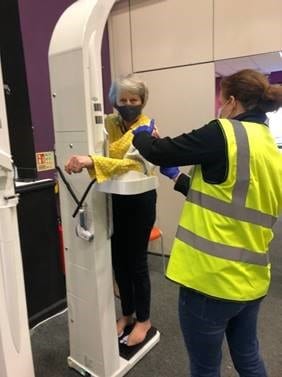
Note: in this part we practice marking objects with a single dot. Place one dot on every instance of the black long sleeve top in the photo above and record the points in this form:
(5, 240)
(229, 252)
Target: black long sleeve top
(205, 146)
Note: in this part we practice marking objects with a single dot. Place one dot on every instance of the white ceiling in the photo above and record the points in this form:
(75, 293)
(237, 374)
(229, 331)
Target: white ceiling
(265, 63)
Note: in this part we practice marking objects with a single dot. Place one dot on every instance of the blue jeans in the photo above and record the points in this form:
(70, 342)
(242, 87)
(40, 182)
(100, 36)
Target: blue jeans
(204, 321)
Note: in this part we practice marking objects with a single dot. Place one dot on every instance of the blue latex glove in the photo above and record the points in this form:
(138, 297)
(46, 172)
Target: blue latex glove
(171, 172)
(149, 129)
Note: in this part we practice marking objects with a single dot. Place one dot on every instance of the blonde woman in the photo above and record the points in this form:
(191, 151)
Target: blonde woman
(133, 215)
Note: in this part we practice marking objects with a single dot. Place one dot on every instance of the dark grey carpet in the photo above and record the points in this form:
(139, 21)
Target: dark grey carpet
(168, 358)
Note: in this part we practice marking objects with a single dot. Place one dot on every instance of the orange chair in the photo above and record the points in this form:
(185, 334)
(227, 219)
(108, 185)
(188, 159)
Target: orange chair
(156, 234)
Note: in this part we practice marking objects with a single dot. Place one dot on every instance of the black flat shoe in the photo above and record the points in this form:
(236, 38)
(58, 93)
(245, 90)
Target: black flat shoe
(127, 352)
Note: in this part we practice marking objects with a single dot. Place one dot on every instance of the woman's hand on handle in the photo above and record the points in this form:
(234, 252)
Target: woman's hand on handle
(77, 163)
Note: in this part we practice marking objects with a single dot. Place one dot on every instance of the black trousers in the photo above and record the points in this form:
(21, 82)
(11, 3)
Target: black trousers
(133, 219)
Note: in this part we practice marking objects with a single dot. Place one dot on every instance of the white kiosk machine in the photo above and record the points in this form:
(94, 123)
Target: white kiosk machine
(77, 99)
(15, 349)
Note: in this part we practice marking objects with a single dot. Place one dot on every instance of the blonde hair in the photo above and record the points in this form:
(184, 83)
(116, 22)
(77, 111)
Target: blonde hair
(130, 83)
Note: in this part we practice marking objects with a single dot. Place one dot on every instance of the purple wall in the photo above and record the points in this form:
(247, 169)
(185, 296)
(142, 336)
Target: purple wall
(38, 19)
(106, 71)
(275, 77)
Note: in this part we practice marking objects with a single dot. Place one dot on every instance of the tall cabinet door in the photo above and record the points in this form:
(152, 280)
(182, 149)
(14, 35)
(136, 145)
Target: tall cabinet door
(16, 91)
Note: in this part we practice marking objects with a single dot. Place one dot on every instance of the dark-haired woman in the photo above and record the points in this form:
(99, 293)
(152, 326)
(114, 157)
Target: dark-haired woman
(220, 252)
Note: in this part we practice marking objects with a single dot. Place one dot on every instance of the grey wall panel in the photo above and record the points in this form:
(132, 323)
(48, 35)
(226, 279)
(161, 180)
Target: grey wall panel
(171, 33)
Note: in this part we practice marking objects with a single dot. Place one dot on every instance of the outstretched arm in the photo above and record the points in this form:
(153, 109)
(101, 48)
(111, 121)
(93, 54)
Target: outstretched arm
(101, 168)
(203, 146)
(77, 163)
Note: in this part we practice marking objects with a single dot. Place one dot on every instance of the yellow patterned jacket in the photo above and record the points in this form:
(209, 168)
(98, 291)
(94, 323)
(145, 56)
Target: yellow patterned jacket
(123, 156)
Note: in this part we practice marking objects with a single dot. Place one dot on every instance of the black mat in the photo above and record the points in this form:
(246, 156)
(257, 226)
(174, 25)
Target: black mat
(127, 352)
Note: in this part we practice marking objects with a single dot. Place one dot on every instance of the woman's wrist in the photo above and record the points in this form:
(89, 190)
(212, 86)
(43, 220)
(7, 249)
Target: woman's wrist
(89, 164)
(176, 177)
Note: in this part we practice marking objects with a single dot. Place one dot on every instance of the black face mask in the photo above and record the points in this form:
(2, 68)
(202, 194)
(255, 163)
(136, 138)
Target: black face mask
(129, 113)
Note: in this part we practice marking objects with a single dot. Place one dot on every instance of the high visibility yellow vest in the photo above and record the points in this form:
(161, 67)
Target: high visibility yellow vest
(221, 245)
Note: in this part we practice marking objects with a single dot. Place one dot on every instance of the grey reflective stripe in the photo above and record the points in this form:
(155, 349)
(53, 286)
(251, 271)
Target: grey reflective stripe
(221, 251)
(241, 186)
(236, 209)
(229, 209)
